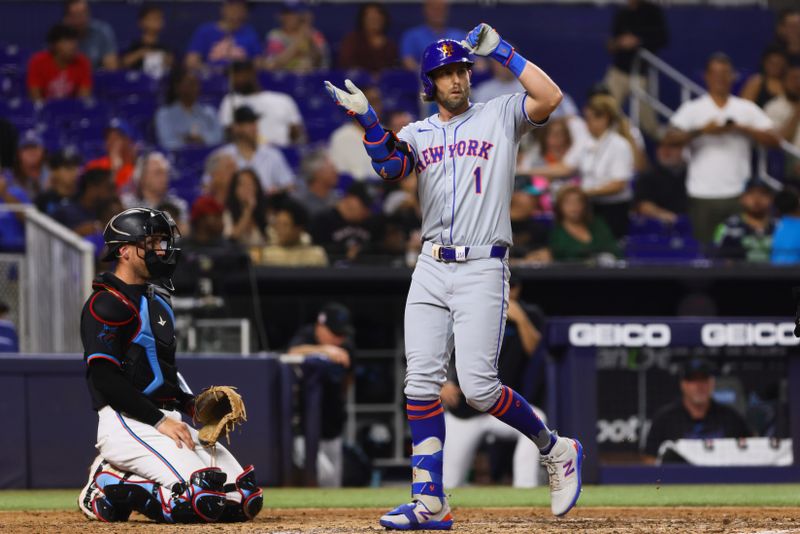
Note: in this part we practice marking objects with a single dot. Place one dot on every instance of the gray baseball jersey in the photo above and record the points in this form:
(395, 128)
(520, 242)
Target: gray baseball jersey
(466, 171)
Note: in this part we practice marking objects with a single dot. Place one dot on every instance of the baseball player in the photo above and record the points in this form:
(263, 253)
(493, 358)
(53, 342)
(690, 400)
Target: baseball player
(464, 157)
(149, 460)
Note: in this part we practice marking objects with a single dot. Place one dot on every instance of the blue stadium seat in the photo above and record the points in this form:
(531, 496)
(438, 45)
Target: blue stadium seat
(400, 91)
(111, 84)
(73, 112)
(213, 83)
(20, 112)
(190, 157)
(320, 116)
(662, 248)
(645, 226)
(13, 58)
(137, 109)
(292, 156)
(11, 85)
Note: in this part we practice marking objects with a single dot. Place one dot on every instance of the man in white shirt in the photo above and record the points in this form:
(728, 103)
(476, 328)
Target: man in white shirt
(784, 111)
(719, 129)
(268, 162)
(280, 122)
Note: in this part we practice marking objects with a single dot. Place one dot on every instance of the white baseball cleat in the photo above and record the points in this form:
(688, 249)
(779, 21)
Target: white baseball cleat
(564, 469)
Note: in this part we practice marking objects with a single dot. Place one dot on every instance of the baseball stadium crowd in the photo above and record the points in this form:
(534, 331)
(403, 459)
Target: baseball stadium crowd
(235, 137)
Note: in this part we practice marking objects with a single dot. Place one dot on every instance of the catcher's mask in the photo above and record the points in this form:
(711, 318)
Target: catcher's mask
(136, 226)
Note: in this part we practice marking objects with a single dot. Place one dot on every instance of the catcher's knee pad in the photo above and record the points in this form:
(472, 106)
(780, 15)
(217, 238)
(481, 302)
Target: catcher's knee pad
(252, 497)
(202, 499)
(125, 495)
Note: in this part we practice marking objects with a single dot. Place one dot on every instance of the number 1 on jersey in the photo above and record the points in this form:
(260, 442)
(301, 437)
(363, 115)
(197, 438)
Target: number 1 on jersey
(478, 184)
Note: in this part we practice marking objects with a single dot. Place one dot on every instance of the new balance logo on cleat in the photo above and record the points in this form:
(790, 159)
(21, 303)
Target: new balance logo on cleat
(564, 470)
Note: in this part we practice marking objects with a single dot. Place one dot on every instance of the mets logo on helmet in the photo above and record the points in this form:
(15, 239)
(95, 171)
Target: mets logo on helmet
(447, 49)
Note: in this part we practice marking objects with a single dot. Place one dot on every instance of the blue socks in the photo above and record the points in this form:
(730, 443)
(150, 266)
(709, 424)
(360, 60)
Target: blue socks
(512, 409)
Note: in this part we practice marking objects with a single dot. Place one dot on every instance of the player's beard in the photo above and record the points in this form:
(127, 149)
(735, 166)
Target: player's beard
(456, 103)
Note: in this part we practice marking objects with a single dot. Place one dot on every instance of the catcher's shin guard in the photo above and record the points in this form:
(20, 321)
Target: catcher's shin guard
(94, 504)
(121, 493)
(202, 499)
(252, 498)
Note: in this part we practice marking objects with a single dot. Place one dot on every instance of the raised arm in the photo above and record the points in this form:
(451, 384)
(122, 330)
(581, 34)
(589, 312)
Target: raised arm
(544, 95)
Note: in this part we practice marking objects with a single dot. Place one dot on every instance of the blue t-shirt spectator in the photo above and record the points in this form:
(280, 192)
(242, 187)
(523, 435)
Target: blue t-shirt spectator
(218, 47)
(12, 230)
(786, 241)
(9, 341)
(416, 39)
(177, 126)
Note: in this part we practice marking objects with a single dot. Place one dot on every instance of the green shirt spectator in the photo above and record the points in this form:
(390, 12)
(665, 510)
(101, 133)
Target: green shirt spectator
(578, 236)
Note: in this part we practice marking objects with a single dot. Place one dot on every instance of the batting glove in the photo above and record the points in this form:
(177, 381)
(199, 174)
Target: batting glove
(354, 101)
(484, 40)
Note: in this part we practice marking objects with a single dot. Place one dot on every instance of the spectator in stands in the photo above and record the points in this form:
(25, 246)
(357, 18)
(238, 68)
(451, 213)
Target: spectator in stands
(12, 230)
(748, 235)
(556, 142)
(639, 24)
(346, 147)
(9, 340)
(529, 236)
(348, 232)
(30, 171)
(368, 47)
(661, 190)
(521, 339)
(766, 84)
(62, 183)
(290, 245)
(224, 41)
(696, 415)
(330, 337)
(786, 240)
(121, 152)
(402, 203)
(184, 122)
(97, 39)
(503, 82)
(245, 217)
(296, 46)
(148, 53)
(219, 170)
(280, 122)
(577, 234)
(605, 163)
(319, 194)
(82, 213)
(719, 129)
(61, 71)
(787, 33)
(151, 186)
(414, 40)
(784, 111)
(207, 257)
(268, 162)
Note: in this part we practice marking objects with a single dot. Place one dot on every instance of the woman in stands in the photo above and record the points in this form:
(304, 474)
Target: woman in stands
(245, 217)
(766, 84)
(368, 47)
(577, 234)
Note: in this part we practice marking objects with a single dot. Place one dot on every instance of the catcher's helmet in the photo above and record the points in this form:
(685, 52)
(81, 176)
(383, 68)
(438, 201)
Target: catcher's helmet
(442, 52)
(134, 225)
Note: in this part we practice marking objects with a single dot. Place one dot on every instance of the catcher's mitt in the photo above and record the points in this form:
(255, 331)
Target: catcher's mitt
(218, 409)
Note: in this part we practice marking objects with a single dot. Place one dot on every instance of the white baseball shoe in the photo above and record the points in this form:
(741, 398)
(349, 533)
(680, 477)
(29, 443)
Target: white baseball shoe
(563, 466)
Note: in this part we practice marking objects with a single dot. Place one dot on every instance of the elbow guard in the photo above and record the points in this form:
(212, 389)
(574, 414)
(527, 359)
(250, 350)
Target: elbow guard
(391, 158)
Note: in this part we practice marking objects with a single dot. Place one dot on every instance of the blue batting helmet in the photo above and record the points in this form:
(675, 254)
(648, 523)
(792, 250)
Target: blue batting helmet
(442, 52)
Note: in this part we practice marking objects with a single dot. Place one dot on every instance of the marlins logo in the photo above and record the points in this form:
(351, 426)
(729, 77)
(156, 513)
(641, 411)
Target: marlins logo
(447, 49)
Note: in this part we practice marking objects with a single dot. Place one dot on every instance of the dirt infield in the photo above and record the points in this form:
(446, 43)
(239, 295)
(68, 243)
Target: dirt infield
(478, 521)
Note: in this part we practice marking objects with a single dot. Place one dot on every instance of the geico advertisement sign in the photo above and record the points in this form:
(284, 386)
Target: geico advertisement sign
(748, 335)
(619, 335)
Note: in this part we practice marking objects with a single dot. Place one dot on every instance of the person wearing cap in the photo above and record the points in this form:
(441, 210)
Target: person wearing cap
(60, 71)
(184, 122)
(30, 171)
(296, 46)
(228, 39)
(747, 236)
(696, 415)
(660, 192)
(330, 337)
(279, 123)
(267, 161)
(348, 231)
(151, 179)
(121, 152)
(65, 167)
(719, 130)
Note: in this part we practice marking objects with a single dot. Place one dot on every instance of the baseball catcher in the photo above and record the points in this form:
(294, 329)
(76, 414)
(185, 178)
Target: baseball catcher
(149, 460)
